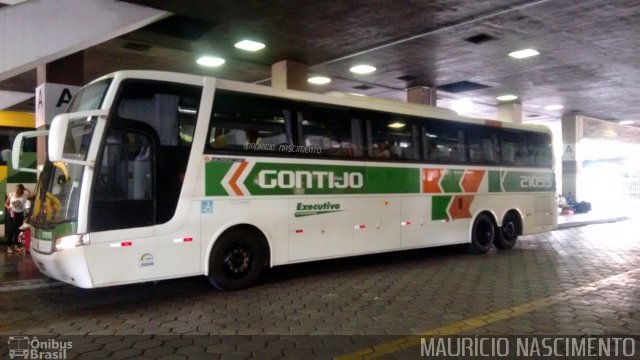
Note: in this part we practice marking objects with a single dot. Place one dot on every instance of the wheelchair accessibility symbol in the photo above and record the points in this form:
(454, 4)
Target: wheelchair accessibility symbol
(206, 206)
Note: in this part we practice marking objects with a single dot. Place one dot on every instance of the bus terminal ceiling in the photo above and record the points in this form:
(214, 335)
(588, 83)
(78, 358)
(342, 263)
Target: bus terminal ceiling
(587, 63)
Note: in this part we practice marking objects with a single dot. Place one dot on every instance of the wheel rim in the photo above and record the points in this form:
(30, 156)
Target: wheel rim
(509, 230)
(484, 233)
(237, 260)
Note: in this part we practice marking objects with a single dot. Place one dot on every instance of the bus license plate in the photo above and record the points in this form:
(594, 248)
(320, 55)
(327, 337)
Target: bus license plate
(44, 246)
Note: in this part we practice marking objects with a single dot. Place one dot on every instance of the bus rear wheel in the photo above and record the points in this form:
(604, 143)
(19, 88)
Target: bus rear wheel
(236, 260)
(482, 234)
(507, 236)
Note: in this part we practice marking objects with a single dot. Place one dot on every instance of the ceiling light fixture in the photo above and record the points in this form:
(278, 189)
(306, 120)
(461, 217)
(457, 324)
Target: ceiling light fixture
(508, 97)
(362, 69)
(319, 80)
(626, 122)
(249, 45)
(523, 54)
(396, 125)
(554, 107)
(210, 61)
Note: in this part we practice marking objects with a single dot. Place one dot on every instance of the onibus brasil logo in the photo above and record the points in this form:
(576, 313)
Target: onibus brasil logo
(25, 347)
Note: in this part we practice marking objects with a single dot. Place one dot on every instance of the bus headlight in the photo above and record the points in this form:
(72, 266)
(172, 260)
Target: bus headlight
(71, 241)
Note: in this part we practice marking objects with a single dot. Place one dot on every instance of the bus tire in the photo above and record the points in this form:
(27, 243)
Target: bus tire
(508, 233)
(236, 259)
(482, 234)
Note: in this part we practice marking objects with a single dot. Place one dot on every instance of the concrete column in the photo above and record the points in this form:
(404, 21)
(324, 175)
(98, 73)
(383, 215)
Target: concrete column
(68, 70)
(510, 112)
(571, 136)
(287, 74)
(422, 95)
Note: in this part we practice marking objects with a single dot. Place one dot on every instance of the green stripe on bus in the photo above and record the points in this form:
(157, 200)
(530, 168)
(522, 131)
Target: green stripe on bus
(307, 179)
(263, 178)
(451, 181)
(388, 180)
(528, 181)
(494, 181)
(56, 232)
(439, 207)
(215, 172)
(28, 160)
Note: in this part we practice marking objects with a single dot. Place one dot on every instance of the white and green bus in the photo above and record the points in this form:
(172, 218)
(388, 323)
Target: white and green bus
(155, 175)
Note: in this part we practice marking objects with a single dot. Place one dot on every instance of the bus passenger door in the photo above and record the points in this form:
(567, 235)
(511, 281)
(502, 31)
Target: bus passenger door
(124, 213)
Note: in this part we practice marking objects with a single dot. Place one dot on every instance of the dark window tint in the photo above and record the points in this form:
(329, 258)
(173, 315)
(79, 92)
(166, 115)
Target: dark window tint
(443, 142)
(267, 125)
(144, 177)
(482, 145)
(7, 136)
(89, 97)
(170, 109)
(331, 132)
(514, 148)
(540, 153)
(123, 193)
(125, 169)
(392, 137)
(253, 123)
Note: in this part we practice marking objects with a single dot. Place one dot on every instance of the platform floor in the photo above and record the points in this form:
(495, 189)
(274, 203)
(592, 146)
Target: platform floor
(579, 280)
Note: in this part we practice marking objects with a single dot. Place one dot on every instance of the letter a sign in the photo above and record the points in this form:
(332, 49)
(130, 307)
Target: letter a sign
(51, 100)
(569, 152)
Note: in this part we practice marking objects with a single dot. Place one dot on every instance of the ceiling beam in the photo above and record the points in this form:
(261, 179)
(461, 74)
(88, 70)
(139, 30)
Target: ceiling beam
(10, 98)
(36, 32)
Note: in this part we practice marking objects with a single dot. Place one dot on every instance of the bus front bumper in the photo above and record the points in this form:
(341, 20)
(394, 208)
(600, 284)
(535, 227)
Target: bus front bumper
(69, 265)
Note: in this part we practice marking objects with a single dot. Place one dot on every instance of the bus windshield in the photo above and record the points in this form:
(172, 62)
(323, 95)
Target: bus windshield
(58, 191)
(57, 195)
(90, 97)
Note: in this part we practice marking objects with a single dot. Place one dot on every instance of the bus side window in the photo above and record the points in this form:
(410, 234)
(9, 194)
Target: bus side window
(331, 131)
(251, 123)
(540, 150)
(444, 143)
(514, 148)
(170, 109)
(482, 145)
(392, 137)
(124, 191)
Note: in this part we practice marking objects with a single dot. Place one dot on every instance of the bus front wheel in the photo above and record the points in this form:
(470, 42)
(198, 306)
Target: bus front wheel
(507, 235)
(482, 234)
(236, 260)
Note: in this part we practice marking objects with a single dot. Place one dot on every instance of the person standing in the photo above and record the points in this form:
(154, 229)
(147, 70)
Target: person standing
(16, 206)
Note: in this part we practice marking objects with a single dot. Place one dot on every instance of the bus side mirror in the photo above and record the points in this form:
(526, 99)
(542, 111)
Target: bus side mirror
(16, 152)
(57, 132)
(78, 133)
